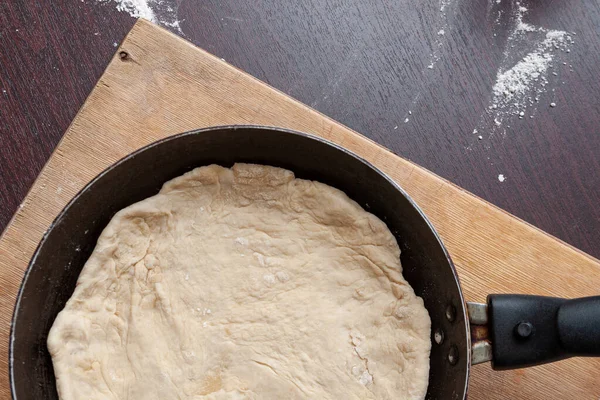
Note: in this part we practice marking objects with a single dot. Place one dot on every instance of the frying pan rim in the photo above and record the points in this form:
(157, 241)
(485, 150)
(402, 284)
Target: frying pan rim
(251, 127)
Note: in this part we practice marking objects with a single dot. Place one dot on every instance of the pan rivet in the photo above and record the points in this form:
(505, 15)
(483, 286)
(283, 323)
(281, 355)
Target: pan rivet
(453, 355)
(524, 329)
(450, 313)
(438, 336)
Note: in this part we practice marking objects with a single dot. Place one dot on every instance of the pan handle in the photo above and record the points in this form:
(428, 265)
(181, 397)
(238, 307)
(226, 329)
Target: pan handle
(515, 331)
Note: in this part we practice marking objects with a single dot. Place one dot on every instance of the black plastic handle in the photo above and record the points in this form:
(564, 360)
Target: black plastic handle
(530, 330)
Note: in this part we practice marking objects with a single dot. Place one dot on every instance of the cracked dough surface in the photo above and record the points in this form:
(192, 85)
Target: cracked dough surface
(243, 283)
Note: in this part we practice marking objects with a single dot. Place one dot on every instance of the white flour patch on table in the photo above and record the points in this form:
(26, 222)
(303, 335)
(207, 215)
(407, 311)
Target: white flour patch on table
(518, 85)
(161, 12)
(530, 63)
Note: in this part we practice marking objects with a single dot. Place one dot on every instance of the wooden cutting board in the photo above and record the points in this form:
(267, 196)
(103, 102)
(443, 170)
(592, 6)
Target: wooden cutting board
(159, 85)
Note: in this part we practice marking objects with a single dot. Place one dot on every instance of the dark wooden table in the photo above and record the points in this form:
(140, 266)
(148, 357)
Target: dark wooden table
(364, 63)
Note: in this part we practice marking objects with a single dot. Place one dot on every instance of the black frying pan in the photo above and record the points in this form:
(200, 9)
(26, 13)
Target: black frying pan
(511, 330)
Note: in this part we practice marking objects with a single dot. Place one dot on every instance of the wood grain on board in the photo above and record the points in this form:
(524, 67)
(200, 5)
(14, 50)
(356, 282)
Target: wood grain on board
(158, 85)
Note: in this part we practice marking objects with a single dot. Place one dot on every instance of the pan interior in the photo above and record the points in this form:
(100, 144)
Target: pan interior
(53, 271)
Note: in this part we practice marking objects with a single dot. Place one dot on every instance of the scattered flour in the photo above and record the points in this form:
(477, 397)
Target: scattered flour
(443, 5)
(530, 54)
(269, 279)
(514, 83)
(361, 371)
(161, 12)
(136, 8)
(519, 84)
(441, 26)
(366, 378)
(241, 241)
(282, 276)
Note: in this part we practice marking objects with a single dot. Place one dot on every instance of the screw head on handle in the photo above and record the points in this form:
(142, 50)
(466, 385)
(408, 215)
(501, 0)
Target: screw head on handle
(524, 330)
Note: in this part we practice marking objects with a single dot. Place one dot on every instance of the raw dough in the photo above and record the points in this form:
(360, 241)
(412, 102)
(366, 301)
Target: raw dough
(243, 283)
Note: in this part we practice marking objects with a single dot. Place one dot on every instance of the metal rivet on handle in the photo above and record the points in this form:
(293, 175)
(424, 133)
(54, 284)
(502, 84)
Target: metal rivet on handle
(524, 329)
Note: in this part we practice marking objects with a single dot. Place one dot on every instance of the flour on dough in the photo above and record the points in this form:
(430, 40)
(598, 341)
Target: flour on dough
(243, 283)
